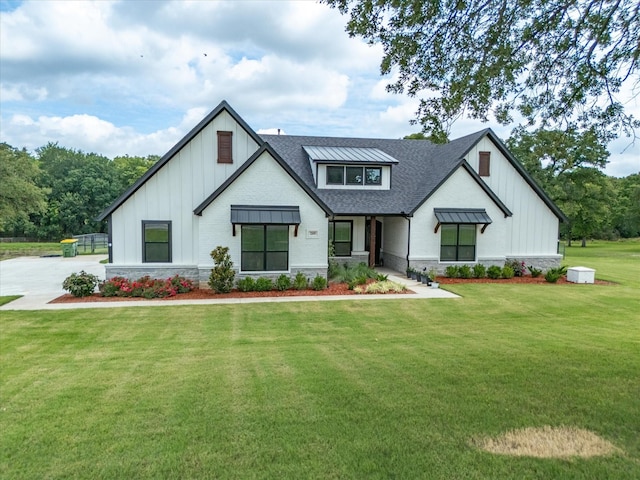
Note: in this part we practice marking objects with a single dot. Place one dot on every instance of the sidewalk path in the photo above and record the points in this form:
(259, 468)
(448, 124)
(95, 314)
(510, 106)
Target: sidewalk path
(39, 280)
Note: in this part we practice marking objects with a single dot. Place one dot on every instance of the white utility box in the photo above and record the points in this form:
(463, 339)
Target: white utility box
(581, 275)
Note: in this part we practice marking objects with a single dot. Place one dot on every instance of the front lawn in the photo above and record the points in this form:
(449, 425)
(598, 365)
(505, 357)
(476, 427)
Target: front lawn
(349, 389)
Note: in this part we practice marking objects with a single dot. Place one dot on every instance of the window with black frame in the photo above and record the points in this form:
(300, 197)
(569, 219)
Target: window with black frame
(265, 248)
(156, 241)
(458, 243)
(340, 236)
(354, 175)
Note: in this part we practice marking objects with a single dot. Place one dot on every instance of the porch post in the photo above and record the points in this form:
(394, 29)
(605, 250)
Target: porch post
(372, 242)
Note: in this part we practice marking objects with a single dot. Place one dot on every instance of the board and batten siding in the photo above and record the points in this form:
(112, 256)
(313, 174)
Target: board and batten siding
(174, 191)
(459, 191)
(265, 182)
(533, 228)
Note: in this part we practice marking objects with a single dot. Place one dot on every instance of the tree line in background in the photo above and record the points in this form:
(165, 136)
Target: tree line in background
(58, 192)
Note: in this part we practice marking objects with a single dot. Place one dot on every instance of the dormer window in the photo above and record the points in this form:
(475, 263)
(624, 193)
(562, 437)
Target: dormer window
(350, 167)
(348, 175)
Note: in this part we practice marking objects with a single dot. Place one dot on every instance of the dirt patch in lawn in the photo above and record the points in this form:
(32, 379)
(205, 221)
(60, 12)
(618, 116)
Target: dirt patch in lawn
(548, 442)
(207, 294)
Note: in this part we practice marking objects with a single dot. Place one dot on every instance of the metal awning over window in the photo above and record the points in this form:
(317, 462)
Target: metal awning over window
(476, 216)
(265, 215)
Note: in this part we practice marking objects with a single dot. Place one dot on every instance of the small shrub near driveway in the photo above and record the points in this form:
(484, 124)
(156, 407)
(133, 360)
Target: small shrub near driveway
(80, 284)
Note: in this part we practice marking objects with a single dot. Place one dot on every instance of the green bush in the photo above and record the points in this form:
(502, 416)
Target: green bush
(519, 268)
(507, 272)
(464, 271)
(535, 272)
(80, 284)
(554, 274)
(494, 271)
(479, 271)
(222, 274)
(347, 273)
(246, 284)
(320, 283)
(283, 282)
(451, 271)
(264, 284)
(300, 282)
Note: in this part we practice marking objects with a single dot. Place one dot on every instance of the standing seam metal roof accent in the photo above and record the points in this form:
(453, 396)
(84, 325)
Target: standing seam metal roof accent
(460, 215)
(265, 214)
(348, 154)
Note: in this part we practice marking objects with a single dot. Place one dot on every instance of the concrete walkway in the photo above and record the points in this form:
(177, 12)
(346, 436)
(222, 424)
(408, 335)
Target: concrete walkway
(39, 280)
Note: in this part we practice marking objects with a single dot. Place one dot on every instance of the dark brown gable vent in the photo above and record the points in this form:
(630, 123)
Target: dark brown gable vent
(225, 153)
(484, 167)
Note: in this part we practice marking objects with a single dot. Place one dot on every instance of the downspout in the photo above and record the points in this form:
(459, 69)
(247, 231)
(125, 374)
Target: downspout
(109, 242)
(408, 236)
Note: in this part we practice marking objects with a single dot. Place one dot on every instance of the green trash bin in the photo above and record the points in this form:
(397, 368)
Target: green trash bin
(69, 247)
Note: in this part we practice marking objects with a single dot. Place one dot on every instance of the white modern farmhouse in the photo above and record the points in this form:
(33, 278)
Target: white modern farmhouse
(279, 201)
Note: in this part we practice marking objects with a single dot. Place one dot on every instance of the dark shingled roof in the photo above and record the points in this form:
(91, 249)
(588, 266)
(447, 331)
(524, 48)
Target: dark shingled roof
(422, 168)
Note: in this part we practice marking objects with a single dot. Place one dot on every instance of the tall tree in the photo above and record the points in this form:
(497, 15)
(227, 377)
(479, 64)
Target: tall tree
(547, 154)
(81, 184)
(626, 208)
(20, 196)
(131, 168)
(555, 62)
(566, 164)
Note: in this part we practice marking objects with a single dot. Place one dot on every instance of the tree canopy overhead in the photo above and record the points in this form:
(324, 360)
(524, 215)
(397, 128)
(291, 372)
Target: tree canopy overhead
(556, 62)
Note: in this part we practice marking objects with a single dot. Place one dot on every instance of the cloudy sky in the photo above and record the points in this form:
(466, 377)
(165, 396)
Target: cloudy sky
(133, 77)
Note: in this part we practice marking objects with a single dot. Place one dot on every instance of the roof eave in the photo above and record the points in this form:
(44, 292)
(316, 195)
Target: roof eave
(522, 171)
(175, 149)
(264, 148)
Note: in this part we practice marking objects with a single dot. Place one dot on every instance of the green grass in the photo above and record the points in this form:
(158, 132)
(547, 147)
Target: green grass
(28, 249)
(37, 249)
(350, 389)
(8, 298)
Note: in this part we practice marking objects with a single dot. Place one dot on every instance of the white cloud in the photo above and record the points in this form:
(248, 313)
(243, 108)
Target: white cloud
(121, 77)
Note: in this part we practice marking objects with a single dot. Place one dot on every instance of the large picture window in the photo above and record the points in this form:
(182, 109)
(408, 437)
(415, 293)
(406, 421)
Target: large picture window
(340, 237)
(156, 241)
(265, 248)
(458, 243)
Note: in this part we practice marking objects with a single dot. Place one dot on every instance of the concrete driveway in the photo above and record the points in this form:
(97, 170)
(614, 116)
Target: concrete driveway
(39, 279)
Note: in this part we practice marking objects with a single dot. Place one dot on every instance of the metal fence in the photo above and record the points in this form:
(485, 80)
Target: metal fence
(91, 242)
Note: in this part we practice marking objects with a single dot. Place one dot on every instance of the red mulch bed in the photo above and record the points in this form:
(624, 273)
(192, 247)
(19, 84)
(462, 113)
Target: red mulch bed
(207, 294)
(332, 289)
